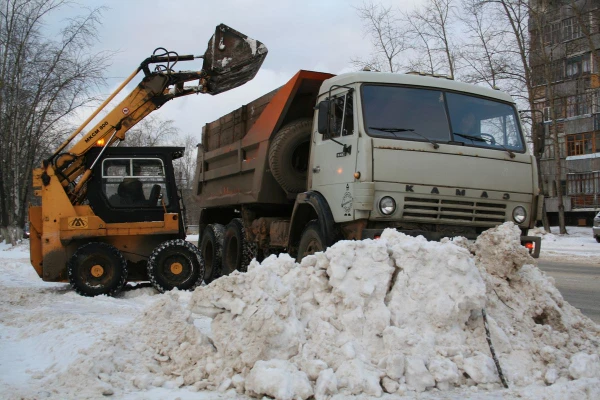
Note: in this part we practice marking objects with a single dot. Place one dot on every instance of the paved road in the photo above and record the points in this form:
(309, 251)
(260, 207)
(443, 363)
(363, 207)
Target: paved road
(579, 285)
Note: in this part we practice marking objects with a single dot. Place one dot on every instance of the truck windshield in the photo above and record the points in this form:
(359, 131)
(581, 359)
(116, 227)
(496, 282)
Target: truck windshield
(400, 112)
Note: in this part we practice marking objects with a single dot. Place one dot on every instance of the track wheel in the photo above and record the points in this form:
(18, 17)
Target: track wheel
(97, 268)
(311, 240)
(211, 247)
(175, 264)
(237, 251)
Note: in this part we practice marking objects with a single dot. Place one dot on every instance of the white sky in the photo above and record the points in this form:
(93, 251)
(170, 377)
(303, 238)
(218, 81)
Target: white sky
(320, 35)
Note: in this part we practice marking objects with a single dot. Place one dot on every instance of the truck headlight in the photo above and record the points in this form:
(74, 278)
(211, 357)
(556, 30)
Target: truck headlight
(519, 214)
(387, 205)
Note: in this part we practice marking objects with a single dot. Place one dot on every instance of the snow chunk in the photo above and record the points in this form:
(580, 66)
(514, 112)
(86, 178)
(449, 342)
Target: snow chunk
(279, 379)
(585, 366)
(481, 369)
(499, 251)
(358, 377)
(417, 376)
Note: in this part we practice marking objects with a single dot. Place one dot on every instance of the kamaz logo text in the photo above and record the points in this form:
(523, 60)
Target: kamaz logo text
(457, 192)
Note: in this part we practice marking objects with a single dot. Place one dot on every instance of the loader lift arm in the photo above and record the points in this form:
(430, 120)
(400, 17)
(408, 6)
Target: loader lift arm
(231, 60)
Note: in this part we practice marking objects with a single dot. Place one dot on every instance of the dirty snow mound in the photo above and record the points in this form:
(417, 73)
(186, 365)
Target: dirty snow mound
(161, 348)
(392, 315)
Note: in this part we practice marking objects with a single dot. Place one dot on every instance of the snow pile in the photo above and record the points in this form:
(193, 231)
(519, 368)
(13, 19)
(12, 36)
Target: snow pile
(394, 315)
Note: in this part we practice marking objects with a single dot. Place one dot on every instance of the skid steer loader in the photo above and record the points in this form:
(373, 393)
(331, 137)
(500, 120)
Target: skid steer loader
(112, 214)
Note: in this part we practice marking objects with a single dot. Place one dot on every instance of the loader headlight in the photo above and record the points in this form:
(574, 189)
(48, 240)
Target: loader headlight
(519, 214)
(387, 205)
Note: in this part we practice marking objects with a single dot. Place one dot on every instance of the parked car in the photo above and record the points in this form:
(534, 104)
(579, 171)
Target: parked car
(596, 228)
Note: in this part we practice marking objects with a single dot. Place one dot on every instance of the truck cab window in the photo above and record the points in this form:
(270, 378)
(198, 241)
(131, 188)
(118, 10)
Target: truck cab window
(134, 182)
(482, 122)
(341, 116)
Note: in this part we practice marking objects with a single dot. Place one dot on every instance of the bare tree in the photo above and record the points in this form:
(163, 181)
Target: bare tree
(388, 39)
(430, 27)
(42, 80)
(485, 55)
(185, 167)
(152, 131)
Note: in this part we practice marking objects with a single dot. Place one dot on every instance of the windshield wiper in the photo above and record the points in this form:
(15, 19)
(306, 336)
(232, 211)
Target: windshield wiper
(394, 130)
(480, 139)
(471, 137)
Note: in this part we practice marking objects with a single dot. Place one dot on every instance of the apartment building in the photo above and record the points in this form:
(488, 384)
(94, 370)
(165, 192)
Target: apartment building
(565, 59)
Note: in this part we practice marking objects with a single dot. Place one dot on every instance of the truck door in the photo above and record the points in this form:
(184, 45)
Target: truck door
(333, 156)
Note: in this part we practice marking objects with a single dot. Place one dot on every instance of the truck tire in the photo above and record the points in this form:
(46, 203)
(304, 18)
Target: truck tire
(211, 248)
(289, 155)
(311, 241)
(175, 264)
(237, 251)
(97, 268)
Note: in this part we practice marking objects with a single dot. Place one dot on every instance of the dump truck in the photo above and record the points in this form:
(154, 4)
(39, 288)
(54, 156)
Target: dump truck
(109, 214)
(327, 158)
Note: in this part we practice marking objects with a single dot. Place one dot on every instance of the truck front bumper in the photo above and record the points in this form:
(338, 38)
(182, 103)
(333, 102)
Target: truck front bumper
(531, 243)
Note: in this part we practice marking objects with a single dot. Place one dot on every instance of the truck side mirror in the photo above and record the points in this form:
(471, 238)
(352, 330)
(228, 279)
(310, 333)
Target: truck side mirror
(539, 140)
(323, 121)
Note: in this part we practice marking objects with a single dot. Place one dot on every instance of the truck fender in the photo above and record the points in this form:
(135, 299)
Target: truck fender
(308, 206)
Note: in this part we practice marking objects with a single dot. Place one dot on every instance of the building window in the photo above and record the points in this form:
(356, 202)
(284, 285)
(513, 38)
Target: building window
(583, 143)
(552, 33)
(580, 104)
(574, 67)
(571, 29)
(578, 65)
(558, 70)
(586, 65)
(549, 149)
(583, 183)
(595, 21)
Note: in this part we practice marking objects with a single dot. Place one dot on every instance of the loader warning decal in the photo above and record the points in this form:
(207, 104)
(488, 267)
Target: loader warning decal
(78, 222)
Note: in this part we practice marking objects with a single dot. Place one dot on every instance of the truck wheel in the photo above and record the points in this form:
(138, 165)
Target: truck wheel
(97, 268)
(175, 264)
(311, 241)
(288, 155)
(211, 248)
(237, 251)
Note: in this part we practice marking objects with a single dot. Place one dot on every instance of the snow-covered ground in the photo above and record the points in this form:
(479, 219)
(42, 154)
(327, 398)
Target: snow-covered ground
(577, 246)
(395, 318)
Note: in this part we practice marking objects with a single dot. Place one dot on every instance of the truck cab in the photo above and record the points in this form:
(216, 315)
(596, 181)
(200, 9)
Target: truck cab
(421, 154)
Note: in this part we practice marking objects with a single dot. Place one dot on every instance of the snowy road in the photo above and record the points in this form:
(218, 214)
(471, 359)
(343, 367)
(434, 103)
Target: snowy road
(573, 260)
(579, 284)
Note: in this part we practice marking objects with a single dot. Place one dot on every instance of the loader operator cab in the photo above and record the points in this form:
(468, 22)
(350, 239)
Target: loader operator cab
(131, 184)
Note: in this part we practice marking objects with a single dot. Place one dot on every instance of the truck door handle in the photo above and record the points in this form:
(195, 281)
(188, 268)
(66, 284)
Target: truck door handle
(317, 169)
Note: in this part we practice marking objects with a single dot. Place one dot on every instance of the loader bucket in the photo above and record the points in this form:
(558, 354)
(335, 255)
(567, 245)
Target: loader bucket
(231, 59)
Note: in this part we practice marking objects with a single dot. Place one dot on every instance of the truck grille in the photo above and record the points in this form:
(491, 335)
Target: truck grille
(454, 210)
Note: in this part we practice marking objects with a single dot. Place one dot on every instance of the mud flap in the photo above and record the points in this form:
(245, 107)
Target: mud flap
(231, 59)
